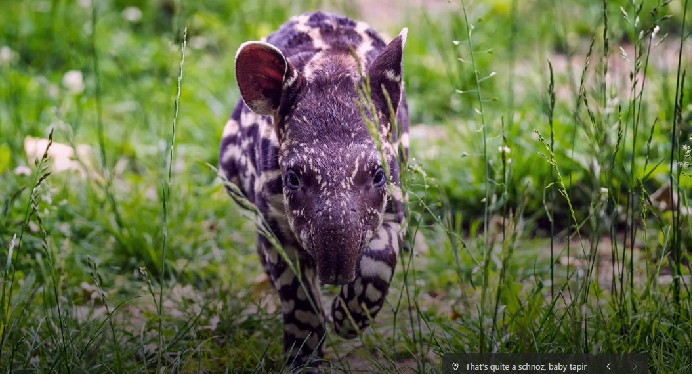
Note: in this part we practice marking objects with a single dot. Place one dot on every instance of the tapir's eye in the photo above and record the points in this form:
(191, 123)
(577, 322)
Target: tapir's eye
(378, 179)
(292, 181)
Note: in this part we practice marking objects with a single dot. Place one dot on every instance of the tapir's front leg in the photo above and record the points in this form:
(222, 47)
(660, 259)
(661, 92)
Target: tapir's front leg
(370, 287)
(304, 328)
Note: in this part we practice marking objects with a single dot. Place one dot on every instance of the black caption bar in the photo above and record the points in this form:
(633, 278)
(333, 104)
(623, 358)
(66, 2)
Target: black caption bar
(572, 363)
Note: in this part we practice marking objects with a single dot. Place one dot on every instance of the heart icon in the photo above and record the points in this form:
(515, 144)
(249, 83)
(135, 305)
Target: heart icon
(455, 366)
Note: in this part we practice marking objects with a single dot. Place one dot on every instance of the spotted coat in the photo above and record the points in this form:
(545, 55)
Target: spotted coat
(298, 147)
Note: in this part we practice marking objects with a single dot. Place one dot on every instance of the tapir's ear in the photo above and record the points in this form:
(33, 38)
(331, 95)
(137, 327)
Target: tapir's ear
(263, 75)
(386, 73)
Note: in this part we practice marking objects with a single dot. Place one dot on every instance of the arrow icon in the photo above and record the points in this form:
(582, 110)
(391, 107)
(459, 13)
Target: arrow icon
(635, 366)
(608, 366)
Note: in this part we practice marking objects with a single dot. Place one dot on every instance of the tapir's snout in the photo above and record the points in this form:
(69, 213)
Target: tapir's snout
(337, 248)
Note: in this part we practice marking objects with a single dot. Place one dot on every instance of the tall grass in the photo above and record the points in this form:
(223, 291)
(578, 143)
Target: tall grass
(13, 307)
(165, 199)
(581, 314)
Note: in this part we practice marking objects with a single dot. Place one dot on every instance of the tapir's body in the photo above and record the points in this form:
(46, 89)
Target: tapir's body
(298, 147)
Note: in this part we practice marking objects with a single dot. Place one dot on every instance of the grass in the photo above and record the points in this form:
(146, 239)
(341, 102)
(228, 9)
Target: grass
(542, 135)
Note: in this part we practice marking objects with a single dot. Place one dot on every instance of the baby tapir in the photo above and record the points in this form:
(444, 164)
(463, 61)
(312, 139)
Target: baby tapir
(298, 147)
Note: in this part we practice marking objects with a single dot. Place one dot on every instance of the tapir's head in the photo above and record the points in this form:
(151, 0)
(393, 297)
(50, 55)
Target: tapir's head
(335, 177)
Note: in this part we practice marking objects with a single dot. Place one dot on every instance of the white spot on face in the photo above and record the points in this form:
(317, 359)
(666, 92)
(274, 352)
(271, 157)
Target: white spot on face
(304, 238)
(318, 177)
(356, 166)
